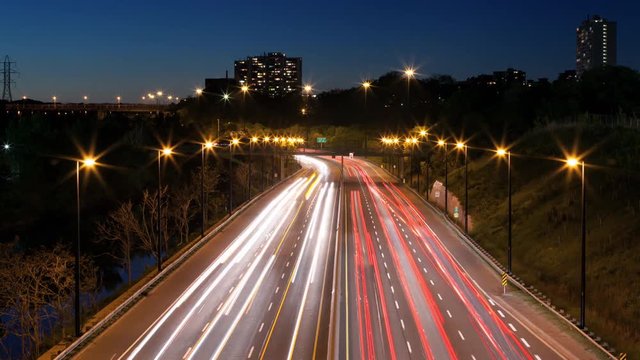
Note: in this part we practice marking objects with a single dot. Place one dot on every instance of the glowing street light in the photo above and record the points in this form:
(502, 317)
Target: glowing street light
(366, 85)
(206, 146)
(574, 163)
(308, 89)
(166, 152)
(244, 89)
(409, 73)
(198, 91)
(461, 146)
(501, 152)
(88, 163)
(444, 146)
(6, 146)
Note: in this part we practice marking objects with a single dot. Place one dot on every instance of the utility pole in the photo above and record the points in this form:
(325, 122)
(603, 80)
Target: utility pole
(7, 71)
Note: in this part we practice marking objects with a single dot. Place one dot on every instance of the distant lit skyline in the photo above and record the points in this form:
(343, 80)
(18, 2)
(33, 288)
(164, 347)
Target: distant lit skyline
(104, 49)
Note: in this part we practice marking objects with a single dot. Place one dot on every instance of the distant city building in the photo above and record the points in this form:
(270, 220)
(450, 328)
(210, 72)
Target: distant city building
(273, 74)
(507, 78)
(596, 44)
(510, 77)
(569, 75)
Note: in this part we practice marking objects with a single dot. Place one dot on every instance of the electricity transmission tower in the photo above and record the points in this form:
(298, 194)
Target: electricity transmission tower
(7, 71)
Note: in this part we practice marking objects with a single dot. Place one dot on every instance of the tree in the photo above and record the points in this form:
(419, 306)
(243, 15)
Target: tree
(146, 228)
(181, 214)
(119, 230)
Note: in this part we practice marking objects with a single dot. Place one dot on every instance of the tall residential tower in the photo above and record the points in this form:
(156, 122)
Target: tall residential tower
(273, 74)
(596, 44)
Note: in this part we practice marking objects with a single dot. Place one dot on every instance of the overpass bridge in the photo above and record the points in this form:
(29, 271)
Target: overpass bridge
(18, 107)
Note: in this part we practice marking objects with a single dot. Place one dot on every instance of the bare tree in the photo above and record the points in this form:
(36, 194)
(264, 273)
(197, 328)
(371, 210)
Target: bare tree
(147, 224)
(181, 206)
(119, 230)
(37, 288)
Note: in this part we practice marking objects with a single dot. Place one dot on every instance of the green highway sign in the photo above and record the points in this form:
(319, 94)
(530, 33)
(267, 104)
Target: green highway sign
(321, 140)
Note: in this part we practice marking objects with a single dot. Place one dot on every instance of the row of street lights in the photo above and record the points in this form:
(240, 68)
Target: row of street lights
(571, 162)
(90, 163)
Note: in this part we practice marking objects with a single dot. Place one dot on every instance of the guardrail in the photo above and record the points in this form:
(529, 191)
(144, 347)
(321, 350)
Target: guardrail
(514, 280)
(103, 324)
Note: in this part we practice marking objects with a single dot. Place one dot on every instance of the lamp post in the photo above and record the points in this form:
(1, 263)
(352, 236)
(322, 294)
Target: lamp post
(462, 146)
(55, 101)
(444, 146)
(234, 142)
(166, 151)
(409, 73)
(574, 163)
(118, 99)
(253, 140)
(208, 145)
(88, 163)
(365, 86)
(425, 136)
(507, 154)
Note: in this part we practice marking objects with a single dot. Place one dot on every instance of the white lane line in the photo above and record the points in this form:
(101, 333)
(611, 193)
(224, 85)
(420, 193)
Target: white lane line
(261, 326)
(525, 342)
(187, 353)
(449, 313)
(287, 265)
(270, 305)
(512, 327)
(473, 357)
(402, 323)
(397, 306)
(250, 353)
(501, 313)
(439, 297)
(282, 277)
(388, 276)
(296, 244)
(491, 301)
(537, 357)
(219, 306)
(409, 346)
(230, 290)
(291, 254)
(410, 243)
(460, 333)
(392, 290)
(205, 327)
(382, 254)
(385, 265)
(414, 250)
(419, 260)
(431, 281)
(277, 289)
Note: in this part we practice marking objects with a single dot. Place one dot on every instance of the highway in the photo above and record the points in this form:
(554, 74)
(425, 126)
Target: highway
(409, 297)
(314, 270)
(261, 289)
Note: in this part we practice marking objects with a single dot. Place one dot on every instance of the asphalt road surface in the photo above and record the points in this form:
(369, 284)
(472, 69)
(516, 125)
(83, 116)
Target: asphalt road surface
(319, 270)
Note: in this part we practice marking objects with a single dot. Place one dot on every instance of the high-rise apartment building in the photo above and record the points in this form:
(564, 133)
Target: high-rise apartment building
(273, 74)
(596, 44)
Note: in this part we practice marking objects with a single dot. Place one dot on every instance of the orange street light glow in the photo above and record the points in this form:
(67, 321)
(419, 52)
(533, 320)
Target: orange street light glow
(572, 162)
(235, 141)
(198, 91)
(208, 145)
(167, 151)
(409, 72)
(366, 84)
(89, 162)
(423, 133)
(254, 139)
(244, 88)
(501, 152)
(460, 145)
(440, 142)
(307, 88)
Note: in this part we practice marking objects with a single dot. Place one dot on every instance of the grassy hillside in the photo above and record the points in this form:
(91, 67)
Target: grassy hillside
(546, 222)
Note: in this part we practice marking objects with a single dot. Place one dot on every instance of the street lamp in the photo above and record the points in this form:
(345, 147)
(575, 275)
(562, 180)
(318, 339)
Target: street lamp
(198, 91)
(166, 152)
(574, 163)
(206, 146)
(118, 99)
(409, 73)
(88, 163)
(252, 141)
(444, 146)
(462, 146)
(234, 142)
(504, 153)
(366, 85)
(55, 100)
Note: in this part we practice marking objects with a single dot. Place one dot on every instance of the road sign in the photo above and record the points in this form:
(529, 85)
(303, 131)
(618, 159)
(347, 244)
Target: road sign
(321, 140)
(623, 356)
(505, 278)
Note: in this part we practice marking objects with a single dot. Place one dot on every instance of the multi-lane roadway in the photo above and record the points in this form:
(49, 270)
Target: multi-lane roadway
(336, 262)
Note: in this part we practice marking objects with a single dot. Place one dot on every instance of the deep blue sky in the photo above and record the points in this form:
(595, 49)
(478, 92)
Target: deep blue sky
(108, 48)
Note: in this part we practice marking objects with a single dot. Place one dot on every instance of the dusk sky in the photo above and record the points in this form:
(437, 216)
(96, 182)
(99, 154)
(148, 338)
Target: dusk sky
(128, 48)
